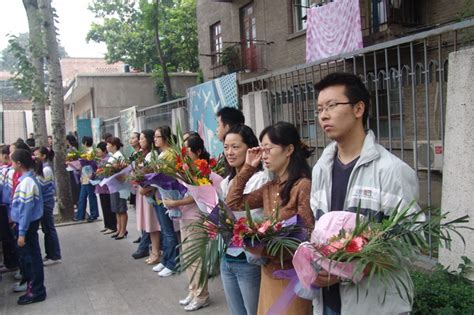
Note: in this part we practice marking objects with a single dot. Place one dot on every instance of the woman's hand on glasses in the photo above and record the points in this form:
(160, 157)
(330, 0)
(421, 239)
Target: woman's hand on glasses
(254, 156)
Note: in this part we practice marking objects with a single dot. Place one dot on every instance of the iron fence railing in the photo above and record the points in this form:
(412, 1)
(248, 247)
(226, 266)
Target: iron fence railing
(407, 78)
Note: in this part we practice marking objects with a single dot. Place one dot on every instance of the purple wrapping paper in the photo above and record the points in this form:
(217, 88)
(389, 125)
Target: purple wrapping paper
(164, 181)
(285, 299)
(85, 162)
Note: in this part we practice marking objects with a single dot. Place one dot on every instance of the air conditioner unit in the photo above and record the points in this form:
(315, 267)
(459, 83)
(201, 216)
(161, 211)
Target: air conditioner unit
(435, 149)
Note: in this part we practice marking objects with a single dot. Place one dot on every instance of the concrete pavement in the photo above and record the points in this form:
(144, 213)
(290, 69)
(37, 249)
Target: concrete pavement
(98, 276)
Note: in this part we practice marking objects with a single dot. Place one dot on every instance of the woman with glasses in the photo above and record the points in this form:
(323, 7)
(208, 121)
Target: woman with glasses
(282, 153)
(241, 279)
(167, 265)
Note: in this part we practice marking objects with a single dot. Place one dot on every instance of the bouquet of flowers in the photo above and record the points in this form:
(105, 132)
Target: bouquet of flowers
(218, 165)
(114, 175)
(212, 234)
(278, 238)
(196, 175)
(73, 155)
(351, 246)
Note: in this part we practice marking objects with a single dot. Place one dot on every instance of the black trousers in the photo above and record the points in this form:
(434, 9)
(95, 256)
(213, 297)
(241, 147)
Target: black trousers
(110, 219)
(7, 236)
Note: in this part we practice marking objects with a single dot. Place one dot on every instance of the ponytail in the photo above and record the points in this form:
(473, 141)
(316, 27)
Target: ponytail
(49, 153)
(28, 161)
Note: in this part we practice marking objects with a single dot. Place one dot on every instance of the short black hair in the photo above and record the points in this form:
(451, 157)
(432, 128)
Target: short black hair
(355, 89)
(31, 142)
(87, 141)
(231, 116)
(103, 146)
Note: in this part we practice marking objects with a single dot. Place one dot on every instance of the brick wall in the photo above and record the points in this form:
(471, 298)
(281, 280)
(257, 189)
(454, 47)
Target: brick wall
(280, 47)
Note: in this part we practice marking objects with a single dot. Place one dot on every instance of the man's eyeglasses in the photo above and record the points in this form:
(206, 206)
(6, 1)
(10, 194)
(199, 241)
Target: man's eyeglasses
(330, 107)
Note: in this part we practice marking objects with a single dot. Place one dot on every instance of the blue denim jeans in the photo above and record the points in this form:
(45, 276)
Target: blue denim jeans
(145, 242)
(87, 191)
(241, 282)
(168, 237)
(51, 240)
(31, 262)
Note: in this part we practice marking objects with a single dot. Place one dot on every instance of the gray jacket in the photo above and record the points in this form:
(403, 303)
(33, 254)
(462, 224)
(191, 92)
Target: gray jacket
(379, 182)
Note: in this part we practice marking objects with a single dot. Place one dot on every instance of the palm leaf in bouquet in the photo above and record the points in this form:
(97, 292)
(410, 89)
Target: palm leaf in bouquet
(207, 243)
(385, 250)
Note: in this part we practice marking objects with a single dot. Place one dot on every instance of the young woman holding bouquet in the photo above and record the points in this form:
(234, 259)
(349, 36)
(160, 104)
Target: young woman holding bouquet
(134, 142)
(285, 155)
(117, 203)
(167, 265)
(198, 296)
(146, 217)
(241, 280)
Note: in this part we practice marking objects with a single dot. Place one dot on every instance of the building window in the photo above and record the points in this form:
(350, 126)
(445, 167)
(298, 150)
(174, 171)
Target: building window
(300, 8)
(389, 113)
(216, 43)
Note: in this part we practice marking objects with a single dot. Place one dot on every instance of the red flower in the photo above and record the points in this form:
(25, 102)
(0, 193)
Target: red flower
(212, 162)
(241, 227)
(184, 150)
(203, 167)
(277, 227)
(237, 241)
(356, 244)
(264, 227)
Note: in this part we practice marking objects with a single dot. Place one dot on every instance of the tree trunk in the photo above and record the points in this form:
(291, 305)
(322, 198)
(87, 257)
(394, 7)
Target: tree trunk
(164, 67)
(35, 48)
(66, 208)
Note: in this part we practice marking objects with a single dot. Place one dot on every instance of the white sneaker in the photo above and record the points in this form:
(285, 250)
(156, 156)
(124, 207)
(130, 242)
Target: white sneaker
(166, 272)
(17, 275)
(186, 300)
(19, 287)
(158, 267)
(49, 262)
(195, 305)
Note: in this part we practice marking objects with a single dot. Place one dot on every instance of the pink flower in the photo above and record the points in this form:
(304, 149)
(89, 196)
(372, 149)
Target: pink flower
(356, 244)
(237, 240)
(277, 227)
(185, 167)
(264, 227)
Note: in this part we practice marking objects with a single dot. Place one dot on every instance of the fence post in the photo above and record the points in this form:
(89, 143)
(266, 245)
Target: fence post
(458, 173)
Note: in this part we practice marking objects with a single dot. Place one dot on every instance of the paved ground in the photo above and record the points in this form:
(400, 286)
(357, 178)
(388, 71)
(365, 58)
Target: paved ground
(98, 276)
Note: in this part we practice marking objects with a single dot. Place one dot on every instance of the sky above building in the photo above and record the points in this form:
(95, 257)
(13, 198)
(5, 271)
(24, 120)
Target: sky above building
(74, 23)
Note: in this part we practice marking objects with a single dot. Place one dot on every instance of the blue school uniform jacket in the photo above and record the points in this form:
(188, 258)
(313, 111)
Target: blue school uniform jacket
(7, 186)
(27, 203)
(48, 187)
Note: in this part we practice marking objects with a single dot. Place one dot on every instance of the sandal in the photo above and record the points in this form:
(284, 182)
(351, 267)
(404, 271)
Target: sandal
(153, 259)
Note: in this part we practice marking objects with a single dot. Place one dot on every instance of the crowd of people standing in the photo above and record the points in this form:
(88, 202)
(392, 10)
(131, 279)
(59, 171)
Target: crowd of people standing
(267, 174)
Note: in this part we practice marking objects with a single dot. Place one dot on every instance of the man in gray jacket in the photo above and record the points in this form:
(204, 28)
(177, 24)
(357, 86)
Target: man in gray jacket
(354, 170)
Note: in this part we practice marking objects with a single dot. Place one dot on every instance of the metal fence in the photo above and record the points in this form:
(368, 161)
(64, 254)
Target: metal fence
(407, 78)
(148, 117)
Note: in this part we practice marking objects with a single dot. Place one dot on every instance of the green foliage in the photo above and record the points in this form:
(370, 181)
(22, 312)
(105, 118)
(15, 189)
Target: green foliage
(8, 60)
(25, 78)
(127, 29)
(444, 291)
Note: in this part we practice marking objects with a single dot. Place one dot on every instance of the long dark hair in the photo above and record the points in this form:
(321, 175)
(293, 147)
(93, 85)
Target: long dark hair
(149, 134)
(196, 144)
(248, 137)
(49, 153)
(283, 134)
(166, 134)
(25, 158)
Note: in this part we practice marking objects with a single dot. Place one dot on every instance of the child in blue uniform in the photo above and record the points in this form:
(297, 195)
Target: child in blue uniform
(26, 212)
(51, 240)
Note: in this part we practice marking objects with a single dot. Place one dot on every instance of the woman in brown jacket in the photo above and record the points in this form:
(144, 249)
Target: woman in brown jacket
(282, 153)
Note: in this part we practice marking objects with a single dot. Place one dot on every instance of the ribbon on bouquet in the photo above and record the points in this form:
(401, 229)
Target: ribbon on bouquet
(287, 296)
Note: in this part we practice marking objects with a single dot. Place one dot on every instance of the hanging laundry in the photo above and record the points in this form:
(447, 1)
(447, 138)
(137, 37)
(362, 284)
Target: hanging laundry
(332, 29)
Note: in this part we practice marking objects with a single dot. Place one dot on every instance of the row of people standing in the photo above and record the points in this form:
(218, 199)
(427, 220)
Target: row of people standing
(353, 160)
(27, 203)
